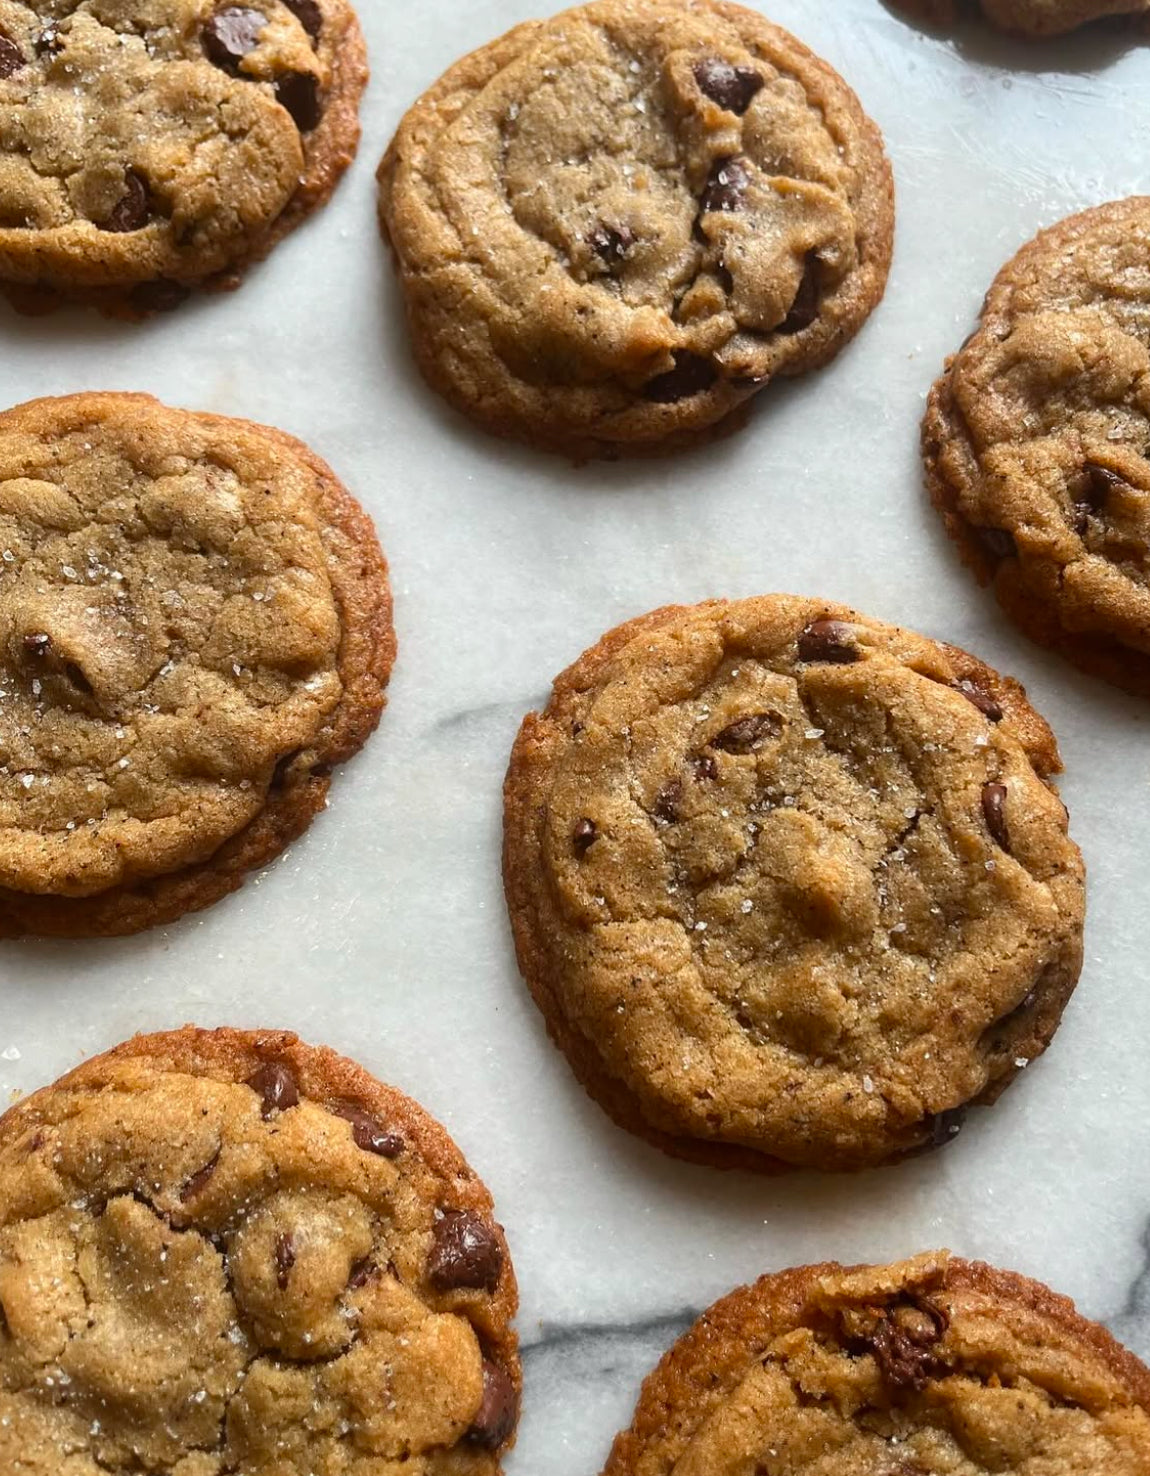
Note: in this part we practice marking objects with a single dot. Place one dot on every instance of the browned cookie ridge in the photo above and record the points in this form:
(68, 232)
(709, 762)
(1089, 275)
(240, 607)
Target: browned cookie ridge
(195, 625)
(152, 147)
(791, 887)
(227, 1251)
(1037, 441)
(928, 1366)
(613, 227)
(1032, 18)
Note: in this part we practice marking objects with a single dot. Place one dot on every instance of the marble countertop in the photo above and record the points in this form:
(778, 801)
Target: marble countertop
(383, 933)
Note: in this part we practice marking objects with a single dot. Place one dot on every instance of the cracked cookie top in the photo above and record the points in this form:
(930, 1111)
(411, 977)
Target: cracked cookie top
(1037, 441)
(1034, 18)
(932, 1365)
(194, 625)
(146, 145)
(230, 1252)
(616, 225)
(791, 887)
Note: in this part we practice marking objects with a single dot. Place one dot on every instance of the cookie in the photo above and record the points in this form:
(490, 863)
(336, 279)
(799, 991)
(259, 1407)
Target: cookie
(195, 625)
(1036, 440)
(612, 228)
(230, 1251)
(791, 887)
(149, 148)
(1033, 18)
(932, 1365)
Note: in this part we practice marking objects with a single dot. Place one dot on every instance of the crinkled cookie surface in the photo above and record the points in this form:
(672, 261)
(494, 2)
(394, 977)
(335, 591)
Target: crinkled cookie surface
(1037, 441)
(932, 1367)
(615, 225)
(225, 1252)
(790, 886)
(147, 146)
(194, 624)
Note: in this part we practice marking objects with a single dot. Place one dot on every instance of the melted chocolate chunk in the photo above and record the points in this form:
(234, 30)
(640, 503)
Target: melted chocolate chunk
(828, 640)
(230, 34)
(1095, 486)
(38, 646)
(994, 812)
(309, 15)
(11, 58)
(997, 541)
(691, 375)
(805, 308)
(748, 733)
(298, 92)
(584, 836)
(981, 699)
(132, 210)
(705, 769)
(499, 1409)
(945, 1126)
(199, 1179)
(465, 1253)
(905, 1348)
(367, 1133)
(49, 42)
(666, 807)
(726, 186)
(277, 1086)
(361, 1273)
(285, 1260)
(731, 87)
(611, 243)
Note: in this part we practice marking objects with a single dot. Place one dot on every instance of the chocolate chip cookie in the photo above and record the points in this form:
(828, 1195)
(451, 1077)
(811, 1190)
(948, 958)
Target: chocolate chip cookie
(152, 147)
(933, 1365)
(229, 1251)
(1037, 441)
(790, 886)
(615, 226)
(195, 625)
(1034, 18)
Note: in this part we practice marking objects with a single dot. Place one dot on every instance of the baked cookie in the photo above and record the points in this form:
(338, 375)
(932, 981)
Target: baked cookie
(615, 226)
(1037, 435)
(195, 625)
(791, 887)
(229, 1251)
(1034, 18)
(933, 1365)
(158, 145)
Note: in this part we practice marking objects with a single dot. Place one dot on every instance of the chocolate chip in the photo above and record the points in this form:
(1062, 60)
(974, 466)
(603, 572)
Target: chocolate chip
(49, 42)
(748, 733)
(465, 1253)
(309, 15)
(584, 836)
(705, 769)
(805, 308)
(731, 87)
(285, 1260)
(132, 210)
(994, 812)
(981, 699)
(361, 1273)
(905, 1351)
(997, 542)
(367, 1133)
(230, 34)
(499, 1409)
(11, 58)
(277, 1086)
(298, 92)
(727, 183)
(199, 1179)
(611, 243)
(37, 646)
(945, 1126)
(691, 375)
(1095, 486)
(160, 295)
(666, 806)
(828, 640)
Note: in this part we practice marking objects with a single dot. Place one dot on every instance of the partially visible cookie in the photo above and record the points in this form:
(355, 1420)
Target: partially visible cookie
(613, 227)
(1034, 18)
(149, 148)
(1037, 441)
(791, 887)
(229, 1251)
(930, 1366)
(195, 625)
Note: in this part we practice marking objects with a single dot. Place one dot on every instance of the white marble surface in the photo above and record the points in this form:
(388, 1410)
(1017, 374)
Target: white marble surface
(383, 932)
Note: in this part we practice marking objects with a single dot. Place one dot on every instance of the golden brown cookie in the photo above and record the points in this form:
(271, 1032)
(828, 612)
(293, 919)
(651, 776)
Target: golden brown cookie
(931, 1367)
(613, 227)
(1032, 18)
(791, 887)
(227, 1251)
(195, 625)
(1036, 441)
(154, 146)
